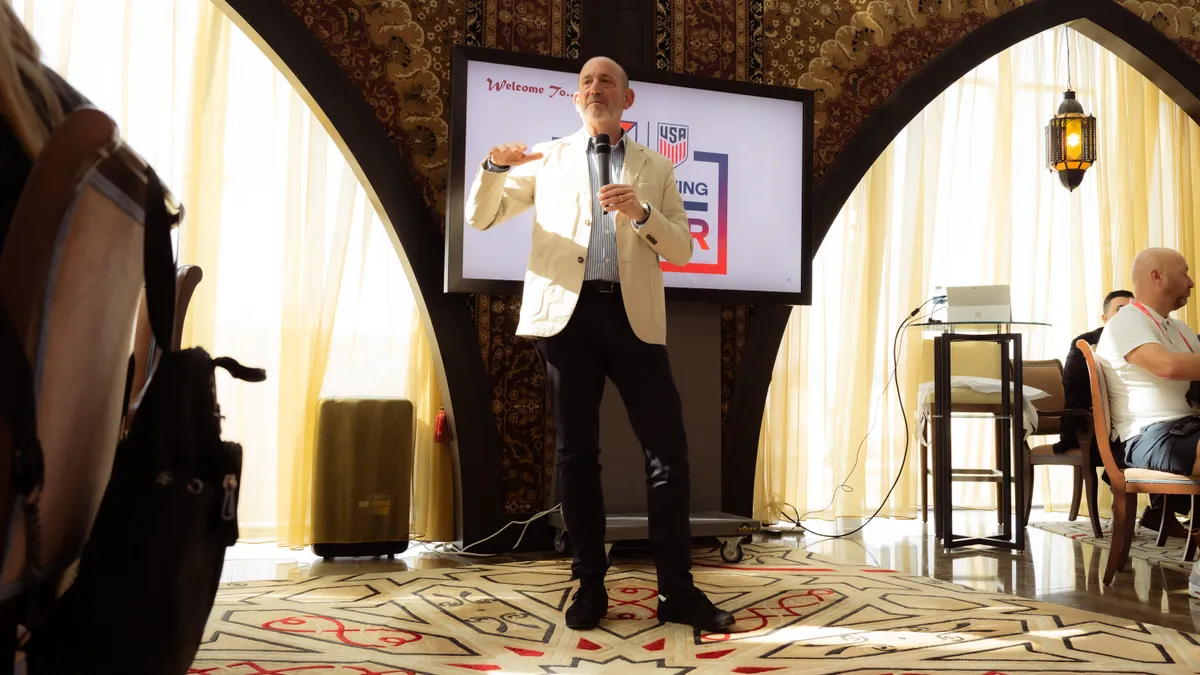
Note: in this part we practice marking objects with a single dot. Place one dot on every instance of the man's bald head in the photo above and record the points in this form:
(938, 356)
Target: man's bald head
(603, 96)
(590, 65)
(1154, 260)
(1160, 279)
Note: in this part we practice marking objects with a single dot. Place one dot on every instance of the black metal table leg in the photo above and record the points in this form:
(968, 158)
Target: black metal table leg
(941, 454)
(1018, 441)
(1004, 489)
(1012, 534)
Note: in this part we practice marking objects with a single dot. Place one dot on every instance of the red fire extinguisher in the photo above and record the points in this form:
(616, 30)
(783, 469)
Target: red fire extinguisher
(441, 428)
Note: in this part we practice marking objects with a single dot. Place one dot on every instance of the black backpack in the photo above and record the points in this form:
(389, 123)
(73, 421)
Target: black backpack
(149, 572)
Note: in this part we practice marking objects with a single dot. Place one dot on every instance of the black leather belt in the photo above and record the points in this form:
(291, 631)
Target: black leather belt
(600, 286)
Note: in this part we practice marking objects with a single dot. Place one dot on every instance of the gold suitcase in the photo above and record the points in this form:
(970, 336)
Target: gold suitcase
(362, 477)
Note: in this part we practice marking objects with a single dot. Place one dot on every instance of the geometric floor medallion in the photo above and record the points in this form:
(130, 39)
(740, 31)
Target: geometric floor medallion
(796, 613)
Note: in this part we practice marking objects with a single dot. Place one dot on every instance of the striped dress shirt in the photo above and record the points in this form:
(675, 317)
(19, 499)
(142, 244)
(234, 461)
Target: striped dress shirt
(602, 257)
(602, 246)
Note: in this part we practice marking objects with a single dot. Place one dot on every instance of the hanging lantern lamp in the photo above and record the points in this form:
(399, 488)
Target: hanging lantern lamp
(1070, 138)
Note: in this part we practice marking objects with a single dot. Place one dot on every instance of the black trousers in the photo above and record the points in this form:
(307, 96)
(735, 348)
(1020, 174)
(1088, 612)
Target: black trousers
(1179, 504)
(598, 342)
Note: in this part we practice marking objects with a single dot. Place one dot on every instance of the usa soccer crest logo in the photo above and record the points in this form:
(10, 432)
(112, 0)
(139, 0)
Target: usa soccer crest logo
(673, 142)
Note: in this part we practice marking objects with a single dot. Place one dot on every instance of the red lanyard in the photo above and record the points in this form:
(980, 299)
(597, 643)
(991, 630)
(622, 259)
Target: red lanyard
(1160, 328)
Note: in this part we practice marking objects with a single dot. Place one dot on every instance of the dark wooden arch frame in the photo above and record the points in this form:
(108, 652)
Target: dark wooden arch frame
(421, 246)
(1104, 21)
(475, 443)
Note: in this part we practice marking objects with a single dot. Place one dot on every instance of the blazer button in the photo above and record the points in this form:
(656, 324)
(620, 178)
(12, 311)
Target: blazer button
(580, 259)
(588, 221)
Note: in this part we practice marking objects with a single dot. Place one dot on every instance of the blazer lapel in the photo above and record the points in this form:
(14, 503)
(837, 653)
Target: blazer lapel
(635, 159)
(575, 166)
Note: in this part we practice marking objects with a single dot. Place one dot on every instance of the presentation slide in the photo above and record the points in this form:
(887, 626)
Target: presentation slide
(739, 164)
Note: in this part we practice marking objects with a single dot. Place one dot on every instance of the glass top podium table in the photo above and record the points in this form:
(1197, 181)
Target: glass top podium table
(1005, 407)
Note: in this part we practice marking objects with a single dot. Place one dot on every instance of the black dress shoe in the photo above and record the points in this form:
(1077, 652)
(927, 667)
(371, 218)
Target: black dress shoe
(695, 610)
(588, 606)
(1152, 519)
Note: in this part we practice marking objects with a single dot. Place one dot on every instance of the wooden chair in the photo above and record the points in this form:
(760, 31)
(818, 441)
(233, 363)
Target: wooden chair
(145, 352)
(1047, 376)
(70, 275)
(1128, 483)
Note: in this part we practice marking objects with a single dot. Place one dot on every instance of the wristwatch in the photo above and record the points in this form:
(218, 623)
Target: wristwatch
(646, 206)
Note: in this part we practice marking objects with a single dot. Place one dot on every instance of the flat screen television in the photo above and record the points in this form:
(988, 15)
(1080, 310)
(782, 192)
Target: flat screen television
(743, 163)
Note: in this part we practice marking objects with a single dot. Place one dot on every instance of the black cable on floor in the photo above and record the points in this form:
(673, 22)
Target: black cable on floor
(843, 487)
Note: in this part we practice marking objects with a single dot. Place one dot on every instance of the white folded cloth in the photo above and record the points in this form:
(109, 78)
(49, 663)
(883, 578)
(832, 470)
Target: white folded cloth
(983, 385)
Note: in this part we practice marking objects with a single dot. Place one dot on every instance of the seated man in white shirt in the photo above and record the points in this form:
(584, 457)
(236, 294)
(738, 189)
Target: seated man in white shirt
(1150, 360)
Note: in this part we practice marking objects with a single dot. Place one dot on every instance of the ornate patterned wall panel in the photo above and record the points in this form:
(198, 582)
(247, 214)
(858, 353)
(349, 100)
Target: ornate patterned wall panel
(853, 53)
(1179, 21)
(399, 54)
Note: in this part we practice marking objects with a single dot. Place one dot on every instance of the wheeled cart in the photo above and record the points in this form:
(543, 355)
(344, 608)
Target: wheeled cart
(730, 530)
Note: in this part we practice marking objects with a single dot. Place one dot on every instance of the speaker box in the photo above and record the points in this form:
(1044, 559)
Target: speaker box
(362, 477)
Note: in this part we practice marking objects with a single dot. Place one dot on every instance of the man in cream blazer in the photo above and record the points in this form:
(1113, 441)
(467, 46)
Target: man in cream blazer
(593, 298)
(563, 224)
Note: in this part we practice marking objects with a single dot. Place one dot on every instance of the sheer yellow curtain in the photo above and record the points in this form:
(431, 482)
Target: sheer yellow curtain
(204, 178)
(962, 197)
(853, 313)
(368, 359)
(312, 278)
(432, 516)
(300, 276)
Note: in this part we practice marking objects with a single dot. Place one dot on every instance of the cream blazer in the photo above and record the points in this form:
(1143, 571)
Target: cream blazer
(558, 188)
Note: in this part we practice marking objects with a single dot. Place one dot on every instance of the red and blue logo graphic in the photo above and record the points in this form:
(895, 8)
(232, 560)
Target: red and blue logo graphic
(705, 191)
(673, 142)
(631, 130)
(704, 186)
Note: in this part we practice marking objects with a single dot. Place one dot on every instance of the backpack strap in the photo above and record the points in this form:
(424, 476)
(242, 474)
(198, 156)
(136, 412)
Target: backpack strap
(18, 407)
(158, 263)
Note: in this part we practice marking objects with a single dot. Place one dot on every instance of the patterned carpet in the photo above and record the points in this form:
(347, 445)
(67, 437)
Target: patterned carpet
(1143, 547)
(797, 613)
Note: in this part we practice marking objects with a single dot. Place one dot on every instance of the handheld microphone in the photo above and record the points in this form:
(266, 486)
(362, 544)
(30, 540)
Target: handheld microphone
(603, 157)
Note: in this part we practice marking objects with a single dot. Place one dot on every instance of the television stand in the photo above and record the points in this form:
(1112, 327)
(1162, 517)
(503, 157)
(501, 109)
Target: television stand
(730, 530)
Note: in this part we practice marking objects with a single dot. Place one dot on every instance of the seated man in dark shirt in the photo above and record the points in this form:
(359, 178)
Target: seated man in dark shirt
(1077, 391)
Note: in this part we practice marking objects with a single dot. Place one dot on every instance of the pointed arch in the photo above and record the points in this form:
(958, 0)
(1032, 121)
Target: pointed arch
(1153, 54)
(390, 184)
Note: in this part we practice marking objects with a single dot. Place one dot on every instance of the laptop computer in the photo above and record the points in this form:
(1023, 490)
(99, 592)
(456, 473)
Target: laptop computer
(985, 304)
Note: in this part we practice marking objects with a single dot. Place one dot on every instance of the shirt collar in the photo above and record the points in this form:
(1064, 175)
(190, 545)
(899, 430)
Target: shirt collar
(591, 140)
(1164, 322)
(1153, 314)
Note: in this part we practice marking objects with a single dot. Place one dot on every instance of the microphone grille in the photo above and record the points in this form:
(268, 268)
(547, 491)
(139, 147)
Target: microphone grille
(602, 141)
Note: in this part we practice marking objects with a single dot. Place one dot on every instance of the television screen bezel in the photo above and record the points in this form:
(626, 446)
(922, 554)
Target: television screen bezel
(456, 283)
